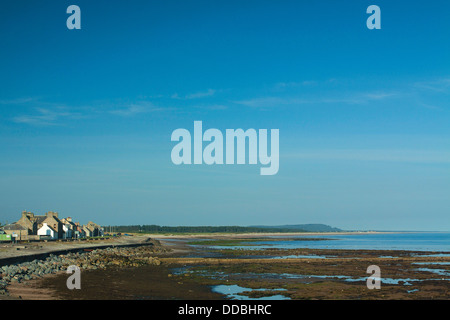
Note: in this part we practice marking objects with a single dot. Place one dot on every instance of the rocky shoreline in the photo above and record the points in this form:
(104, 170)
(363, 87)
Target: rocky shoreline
(153, 271)
(101, 258)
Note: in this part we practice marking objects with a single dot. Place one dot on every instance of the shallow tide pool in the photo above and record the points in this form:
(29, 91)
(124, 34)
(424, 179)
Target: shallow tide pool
(233, 292)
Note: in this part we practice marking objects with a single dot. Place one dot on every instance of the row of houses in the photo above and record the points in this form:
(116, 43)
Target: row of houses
(50, 227)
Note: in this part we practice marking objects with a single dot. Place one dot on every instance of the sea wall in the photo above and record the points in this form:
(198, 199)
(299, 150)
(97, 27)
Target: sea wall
(34, 266)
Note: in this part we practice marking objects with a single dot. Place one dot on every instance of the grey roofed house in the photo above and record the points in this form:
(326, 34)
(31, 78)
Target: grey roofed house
(40, 219)
(68, 221)
(34, 222)
(89, 230)
(14, 226)
(19, 230)
(96, 229)
(69, 227)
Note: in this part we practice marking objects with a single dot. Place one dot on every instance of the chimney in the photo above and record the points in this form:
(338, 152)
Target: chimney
(52, 214)
(27, 214)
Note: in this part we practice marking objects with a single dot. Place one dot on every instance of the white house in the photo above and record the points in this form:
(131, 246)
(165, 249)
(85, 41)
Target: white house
(68, 232)
(47, 231)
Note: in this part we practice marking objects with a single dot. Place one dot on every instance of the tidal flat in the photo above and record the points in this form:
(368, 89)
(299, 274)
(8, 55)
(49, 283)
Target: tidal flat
(220, 268)
(310, 273)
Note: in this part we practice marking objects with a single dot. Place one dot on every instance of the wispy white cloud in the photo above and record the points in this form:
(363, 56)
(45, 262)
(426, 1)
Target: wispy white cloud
(430, 106)
(355, 98)
(213, 107)
(47, 116)
(42, 113)
(306, 83)
(130, 110)
(270, 102)
(441, 85)
(23, 100)
(197, 95)
(378, 95)
(136, 108)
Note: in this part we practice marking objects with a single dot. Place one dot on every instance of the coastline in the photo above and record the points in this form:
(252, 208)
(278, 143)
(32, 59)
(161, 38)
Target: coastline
(183, 271)
(37, 267)
(13, 253)
(52, 286)
(10, 253)
(263, 234)
(27, 250)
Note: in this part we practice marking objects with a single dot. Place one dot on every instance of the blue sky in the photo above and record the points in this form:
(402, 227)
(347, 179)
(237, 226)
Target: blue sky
(86, 115)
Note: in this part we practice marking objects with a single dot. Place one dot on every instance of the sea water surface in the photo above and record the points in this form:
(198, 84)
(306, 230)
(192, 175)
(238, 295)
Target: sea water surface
(412, 241)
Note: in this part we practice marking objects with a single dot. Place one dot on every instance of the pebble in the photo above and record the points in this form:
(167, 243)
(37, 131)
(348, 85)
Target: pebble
(93, 260)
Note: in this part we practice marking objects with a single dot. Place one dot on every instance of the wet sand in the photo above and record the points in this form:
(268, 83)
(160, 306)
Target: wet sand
(149, 283)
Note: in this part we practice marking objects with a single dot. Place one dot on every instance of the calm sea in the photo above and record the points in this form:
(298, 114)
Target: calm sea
(417, 241)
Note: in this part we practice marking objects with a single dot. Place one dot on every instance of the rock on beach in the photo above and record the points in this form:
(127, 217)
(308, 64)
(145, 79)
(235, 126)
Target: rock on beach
(86, 260)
